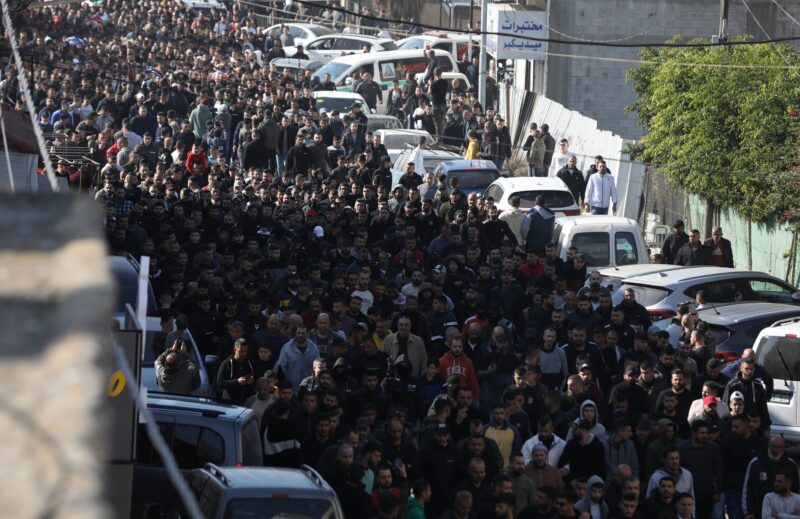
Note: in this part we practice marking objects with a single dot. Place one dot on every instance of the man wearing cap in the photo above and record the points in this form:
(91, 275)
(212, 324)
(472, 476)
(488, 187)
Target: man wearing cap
(752, 388)
(674, 241)
(541, 471)
(761, 473)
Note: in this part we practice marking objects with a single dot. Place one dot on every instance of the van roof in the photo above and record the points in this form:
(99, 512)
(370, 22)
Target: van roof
(196, 405)
(276, 479)
(573, 221)
(352, 59)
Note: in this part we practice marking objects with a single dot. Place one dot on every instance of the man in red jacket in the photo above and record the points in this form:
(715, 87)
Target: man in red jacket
(454, 362)
(196, 157)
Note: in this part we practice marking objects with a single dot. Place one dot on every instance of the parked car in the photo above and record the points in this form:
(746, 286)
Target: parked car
(473, 175)
(662, 292)
(605, 241)
(384, 66)
(198, 431)
(736, 326)
(431, 158)
(614, 277)
(556, 194)
(397, 140)
(456, 43)
(339, 101)
(331, 46)
(302, 32)
(263, 492)
(125, 270)
(203, 6)
(148, 373)
(777, 348)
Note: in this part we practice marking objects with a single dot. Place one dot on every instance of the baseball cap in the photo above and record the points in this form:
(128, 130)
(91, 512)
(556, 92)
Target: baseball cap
(539, 447)
(710, 400)
(737, 395)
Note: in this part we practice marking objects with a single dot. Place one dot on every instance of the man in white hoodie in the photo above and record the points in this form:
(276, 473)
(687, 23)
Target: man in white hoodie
(513, 216)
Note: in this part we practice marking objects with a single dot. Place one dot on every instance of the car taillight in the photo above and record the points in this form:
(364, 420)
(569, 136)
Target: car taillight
(727, 356)
(791, 336)
(660, 315)
(572, 212)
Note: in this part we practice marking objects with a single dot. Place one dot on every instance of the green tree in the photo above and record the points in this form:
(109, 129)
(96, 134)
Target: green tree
(725, 133)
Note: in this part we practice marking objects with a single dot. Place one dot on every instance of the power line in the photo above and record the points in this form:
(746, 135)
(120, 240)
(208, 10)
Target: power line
(744, 2)
(792, 18)
(554, 40)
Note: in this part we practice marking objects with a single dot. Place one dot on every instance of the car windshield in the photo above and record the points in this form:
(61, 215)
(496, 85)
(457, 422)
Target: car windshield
(399, 140)
(266, 508)
(645, 295)
(341, 104)
(552, 199)
(413, 43)
(334, 69)
(473, 179)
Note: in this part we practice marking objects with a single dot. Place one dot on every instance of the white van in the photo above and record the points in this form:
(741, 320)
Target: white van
(605, 241)
(384, 66)
(777, 348)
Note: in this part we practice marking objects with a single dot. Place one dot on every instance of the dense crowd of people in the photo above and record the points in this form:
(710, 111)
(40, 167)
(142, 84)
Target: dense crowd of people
(429, 356)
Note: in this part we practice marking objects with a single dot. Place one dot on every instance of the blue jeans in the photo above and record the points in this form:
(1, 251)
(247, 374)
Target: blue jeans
(733, 504)
(281, 163)
(599, 210)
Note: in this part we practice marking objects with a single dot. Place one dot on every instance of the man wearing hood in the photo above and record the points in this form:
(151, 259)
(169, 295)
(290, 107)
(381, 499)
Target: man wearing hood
(593, 502)
(684, 481)
(537, 227)
(200, 117)
(543, 473)
(584, 455)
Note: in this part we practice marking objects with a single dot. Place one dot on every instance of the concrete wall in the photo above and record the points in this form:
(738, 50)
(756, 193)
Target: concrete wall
(55, 295)
(598, 89)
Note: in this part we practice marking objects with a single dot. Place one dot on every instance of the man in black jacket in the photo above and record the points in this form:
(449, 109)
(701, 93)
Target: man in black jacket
(760, 476)
(703, 459)
(549, 146)
(300, 158)
(692, 253)
(753, 389)
(438, 466)
(674, 241)
(573, 178)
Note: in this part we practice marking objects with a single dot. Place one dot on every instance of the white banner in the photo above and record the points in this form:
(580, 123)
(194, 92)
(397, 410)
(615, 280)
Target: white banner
(516, 26)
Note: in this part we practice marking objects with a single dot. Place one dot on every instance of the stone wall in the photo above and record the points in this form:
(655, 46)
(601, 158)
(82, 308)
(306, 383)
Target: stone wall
(55, 295)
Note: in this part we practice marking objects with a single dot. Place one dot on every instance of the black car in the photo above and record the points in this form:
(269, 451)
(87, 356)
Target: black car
(734, 327)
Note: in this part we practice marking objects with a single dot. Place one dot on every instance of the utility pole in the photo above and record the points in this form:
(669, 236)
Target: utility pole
(483, 60)
(723, 20)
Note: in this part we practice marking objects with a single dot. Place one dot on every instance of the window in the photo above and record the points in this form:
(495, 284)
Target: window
(397, 68)
(594, 246)
(779, 354)
(645, 295)
(297, 32)
(475, 179)
(723, 291)
(625, 248)
(553, 199)
(324, 44)
(146, 454)
(413, 43)
(195, 446)
(251, 444)
(265, 508)
(767, 290)
(348, 44)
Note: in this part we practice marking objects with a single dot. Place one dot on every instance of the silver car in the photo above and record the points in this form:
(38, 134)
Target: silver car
(662, 292)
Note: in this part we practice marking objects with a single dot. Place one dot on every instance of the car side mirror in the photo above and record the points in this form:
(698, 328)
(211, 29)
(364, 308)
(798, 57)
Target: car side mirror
(211, 360)
(348, 81)
(796, 296)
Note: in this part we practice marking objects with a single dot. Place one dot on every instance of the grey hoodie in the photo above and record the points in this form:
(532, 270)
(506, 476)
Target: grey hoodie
(585, 504)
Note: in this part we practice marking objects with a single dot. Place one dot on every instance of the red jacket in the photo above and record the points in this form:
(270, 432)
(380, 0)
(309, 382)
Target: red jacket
(193, 159)
(463, 368)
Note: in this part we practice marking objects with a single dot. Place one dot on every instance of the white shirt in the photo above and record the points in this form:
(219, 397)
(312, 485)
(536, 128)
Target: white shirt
(418, 158)
(782, 507)
(601, 188)
(559, 161)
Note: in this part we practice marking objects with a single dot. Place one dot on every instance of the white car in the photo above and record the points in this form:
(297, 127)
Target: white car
(777, 349)
(556, 194)
(302, 32)
(456, 43)
(329, 46)
(605, 241)
(397, 140)
(339, 101)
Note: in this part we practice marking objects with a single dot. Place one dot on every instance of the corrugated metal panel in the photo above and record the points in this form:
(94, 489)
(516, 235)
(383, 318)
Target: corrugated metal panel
(26, 179)
(585, 139)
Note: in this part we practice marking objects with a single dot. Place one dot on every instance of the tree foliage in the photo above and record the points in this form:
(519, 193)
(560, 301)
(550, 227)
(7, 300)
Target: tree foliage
(727, 134)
